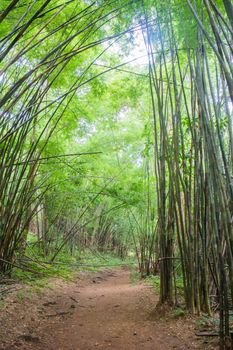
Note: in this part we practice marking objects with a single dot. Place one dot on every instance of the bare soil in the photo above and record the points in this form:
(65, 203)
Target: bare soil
(95, 311)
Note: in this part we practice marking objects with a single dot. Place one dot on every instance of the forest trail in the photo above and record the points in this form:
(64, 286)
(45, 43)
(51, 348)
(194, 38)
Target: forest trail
(97, 311)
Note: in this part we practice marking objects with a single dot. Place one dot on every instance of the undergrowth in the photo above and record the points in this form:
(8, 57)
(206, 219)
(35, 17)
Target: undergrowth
(38, 271)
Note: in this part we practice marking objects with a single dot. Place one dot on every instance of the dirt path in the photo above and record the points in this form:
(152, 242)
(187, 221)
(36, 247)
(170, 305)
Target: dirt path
(100, 311)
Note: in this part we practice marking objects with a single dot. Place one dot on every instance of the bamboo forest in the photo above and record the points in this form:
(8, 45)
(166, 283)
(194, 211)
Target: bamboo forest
(116, 174)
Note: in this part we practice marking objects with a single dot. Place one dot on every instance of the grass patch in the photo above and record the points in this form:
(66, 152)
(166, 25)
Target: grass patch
(178, 312)
(100, 261)
(42, 272)
(2, 305)
(153, 281)
(207, 322)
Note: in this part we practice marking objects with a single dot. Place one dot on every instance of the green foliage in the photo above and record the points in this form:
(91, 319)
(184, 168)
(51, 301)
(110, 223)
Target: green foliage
(2, 305)
(102, 151)
(64, 268)
(154, 281)
(178, 312)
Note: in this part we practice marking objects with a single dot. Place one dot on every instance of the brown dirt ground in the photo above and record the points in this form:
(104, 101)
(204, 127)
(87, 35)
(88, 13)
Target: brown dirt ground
(95, 311)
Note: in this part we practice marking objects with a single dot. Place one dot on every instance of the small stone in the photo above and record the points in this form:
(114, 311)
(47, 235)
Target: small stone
(50, 302)
(30, 338)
